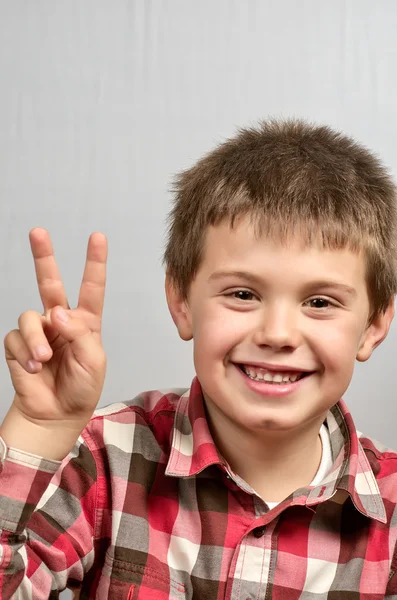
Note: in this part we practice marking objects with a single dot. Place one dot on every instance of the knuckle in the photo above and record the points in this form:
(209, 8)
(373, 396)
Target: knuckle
(27, 315)
(30, 339)
(10, 336)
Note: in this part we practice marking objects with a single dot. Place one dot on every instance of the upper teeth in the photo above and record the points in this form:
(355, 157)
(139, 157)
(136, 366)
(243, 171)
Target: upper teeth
(263, 375)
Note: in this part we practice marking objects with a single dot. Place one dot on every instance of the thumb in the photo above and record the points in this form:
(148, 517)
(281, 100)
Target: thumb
(83, 344)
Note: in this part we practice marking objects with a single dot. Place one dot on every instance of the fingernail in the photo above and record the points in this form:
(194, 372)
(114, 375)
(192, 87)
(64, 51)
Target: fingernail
(41, 352)
(62, 315)
(33, 365)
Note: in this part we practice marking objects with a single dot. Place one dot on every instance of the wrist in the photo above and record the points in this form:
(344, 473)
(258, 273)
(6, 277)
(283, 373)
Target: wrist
(52, 440)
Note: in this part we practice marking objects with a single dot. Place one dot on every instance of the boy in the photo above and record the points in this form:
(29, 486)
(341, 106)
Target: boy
(254, 483)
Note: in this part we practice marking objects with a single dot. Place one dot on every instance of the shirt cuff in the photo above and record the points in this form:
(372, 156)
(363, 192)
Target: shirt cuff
(24, 478)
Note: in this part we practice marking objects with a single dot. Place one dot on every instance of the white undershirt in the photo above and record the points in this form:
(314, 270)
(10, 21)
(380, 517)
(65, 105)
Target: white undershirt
(325, 463)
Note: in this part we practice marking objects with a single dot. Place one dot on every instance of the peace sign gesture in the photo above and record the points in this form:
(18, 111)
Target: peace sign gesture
(56, 359)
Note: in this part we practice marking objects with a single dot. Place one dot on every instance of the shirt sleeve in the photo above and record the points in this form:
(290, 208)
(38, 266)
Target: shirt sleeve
(391, 590)
(47, 521)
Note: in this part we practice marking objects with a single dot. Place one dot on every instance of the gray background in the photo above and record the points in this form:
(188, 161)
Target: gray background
(101, 102)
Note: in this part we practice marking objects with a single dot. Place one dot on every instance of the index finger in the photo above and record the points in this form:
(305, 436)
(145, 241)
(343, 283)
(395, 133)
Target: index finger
(52, 292)
(92, 291)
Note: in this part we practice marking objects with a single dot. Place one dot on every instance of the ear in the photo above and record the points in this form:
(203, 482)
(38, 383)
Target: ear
(179, 309)
(375, 333)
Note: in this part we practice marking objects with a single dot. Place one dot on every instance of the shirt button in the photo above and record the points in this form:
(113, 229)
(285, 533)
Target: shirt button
(259, 531)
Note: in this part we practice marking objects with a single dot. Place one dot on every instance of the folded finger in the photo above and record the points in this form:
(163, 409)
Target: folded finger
(17, 350)
(31, 325)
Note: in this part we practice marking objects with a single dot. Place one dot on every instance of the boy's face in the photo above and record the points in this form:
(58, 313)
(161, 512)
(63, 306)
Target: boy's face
(257, 309)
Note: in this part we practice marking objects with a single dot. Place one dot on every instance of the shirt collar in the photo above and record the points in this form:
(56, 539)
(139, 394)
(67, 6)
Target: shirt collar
(193, 449)
(351, 473)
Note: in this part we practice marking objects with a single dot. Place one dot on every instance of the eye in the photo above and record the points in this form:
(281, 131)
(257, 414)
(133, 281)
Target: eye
(244, 295)
(319, 303)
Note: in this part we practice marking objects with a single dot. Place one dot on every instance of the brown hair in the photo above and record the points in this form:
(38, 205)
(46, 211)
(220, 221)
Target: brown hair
(289, 176)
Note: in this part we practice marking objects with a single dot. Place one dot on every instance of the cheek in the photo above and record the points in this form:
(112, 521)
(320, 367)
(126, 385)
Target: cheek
(216, 331)
(336, 345)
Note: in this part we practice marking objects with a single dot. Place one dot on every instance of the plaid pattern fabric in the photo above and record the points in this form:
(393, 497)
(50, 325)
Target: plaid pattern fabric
(144, 507)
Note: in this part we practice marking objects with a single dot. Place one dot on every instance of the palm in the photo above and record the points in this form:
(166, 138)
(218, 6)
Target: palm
(70, 382)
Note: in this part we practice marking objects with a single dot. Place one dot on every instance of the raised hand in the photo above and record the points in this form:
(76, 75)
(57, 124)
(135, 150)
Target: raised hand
(56, 359)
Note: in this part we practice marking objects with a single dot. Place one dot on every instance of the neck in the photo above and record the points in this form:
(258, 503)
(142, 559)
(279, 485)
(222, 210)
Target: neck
(273, 463)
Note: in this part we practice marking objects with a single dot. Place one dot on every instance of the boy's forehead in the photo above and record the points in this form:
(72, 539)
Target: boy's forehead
(242, 244)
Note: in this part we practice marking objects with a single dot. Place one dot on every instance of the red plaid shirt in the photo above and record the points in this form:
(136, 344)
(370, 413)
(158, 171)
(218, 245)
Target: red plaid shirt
(144, 507)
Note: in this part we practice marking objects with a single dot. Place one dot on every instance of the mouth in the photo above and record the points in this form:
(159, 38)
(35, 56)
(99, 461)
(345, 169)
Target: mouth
(281, 377)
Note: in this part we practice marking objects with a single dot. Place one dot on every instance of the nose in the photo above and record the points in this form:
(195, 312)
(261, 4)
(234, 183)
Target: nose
(278, 328)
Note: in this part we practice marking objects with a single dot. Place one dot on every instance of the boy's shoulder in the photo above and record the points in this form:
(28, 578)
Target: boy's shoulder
(383, 463)
(147, 404)
(373, 446)
(141, 426)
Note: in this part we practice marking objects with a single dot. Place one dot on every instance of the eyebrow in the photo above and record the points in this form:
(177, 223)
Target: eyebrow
(251, 278)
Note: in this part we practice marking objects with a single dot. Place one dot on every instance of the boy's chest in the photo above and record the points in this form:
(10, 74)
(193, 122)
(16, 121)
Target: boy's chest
(200, 540)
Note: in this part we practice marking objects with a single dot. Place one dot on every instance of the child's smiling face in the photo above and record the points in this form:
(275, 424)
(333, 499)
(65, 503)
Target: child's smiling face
(258, 310)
